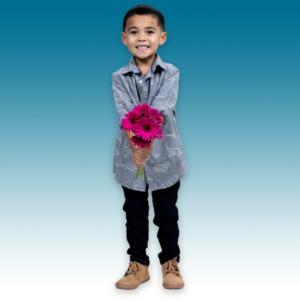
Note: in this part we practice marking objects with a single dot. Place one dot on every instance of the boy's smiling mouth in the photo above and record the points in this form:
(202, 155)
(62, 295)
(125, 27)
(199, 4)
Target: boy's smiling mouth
(142, 47)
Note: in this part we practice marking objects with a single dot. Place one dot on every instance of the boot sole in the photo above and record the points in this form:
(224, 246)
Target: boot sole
(134, 287)
(174, 287)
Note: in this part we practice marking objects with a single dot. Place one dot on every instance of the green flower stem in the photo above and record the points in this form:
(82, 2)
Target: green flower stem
(140, 172)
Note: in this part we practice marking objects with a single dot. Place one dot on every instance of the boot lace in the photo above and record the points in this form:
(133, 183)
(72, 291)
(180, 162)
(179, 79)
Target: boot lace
(133, 268)
(171, 267)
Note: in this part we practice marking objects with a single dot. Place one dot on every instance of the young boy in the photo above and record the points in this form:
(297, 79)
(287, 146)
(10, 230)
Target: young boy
(147, 79)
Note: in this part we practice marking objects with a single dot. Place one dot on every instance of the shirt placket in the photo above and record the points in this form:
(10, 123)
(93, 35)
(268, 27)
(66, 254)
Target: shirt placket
(143, 87)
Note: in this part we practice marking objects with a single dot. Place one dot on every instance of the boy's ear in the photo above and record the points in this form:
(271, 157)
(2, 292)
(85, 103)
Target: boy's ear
(163, 38)
(123, 37)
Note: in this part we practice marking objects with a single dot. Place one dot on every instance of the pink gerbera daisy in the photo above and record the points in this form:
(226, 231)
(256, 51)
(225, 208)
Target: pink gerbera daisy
(147, 128)
(130, 119)
(143, 109)
(156, 115)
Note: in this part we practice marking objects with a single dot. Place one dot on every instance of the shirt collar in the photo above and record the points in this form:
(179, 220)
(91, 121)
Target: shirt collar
(132, 67)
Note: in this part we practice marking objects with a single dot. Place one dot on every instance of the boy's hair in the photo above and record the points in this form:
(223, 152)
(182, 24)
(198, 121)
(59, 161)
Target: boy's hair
(142, 9)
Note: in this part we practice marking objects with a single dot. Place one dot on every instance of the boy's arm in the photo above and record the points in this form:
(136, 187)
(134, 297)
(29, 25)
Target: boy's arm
(123, 105)
(121, 97)
(166, 98)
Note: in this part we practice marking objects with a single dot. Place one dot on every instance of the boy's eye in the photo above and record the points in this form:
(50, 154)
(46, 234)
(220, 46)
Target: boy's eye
(134, 32)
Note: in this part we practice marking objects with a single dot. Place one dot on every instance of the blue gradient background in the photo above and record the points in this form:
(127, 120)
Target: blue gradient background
(62, 228)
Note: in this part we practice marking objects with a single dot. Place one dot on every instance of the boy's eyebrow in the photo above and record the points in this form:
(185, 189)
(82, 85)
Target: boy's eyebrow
(135, 27)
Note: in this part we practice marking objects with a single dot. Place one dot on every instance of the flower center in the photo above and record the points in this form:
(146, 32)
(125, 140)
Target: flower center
(147, 127)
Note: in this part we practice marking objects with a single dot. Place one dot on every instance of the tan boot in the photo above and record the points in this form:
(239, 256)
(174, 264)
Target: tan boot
(136, 274)
(171, 275)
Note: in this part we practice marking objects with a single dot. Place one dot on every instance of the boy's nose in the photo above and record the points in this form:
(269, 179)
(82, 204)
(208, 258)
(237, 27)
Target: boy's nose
(141, 37)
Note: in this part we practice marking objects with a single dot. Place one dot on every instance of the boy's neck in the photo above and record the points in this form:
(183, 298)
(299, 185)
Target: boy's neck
(145, 65)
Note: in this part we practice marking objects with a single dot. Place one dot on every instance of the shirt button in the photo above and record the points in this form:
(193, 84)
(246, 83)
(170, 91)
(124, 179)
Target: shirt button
(141, 81)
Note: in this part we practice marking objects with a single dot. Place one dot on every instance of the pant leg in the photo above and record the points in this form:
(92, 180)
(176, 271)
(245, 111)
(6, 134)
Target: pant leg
(136, 208)
(166, 217)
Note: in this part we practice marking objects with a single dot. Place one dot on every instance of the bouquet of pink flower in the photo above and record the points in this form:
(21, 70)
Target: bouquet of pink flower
(146, 124)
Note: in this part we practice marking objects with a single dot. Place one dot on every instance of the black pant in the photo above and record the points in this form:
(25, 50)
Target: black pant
(136, 208)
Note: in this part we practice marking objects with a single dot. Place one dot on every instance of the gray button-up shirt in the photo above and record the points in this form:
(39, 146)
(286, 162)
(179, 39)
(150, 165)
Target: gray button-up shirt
(158, 88)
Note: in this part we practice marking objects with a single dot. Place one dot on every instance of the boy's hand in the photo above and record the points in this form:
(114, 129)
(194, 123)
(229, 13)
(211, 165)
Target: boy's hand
(129, 135)
(140, 155)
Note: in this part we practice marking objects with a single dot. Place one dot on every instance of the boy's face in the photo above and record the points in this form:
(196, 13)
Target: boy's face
(143, 36)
